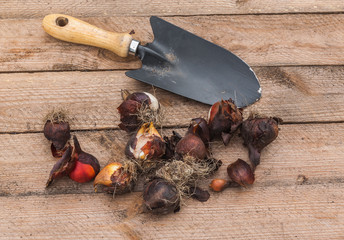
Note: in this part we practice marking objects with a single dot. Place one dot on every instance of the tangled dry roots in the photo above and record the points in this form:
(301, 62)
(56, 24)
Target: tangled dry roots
(57, 115)
(130, 167)
(138, 167)
(147, 115)
(185, 174)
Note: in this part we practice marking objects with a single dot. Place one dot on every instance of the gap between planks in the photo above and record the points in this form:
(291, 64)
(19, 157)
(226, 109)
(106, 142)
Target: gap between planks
(295, 94)
(303, 212)
(167, 127)
(264, 40)
(29, 9)
(313, 151)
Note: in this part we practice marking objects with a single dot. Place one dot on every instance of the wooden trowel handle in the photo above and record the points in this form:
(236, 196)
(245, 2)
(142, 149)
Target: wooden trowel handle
(74, 30)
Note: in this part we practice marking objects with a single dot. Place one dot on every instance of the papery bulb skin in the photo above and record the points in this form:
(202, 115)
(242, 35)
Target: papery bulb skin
(146, 99)
(171, 143)
(131, 106)
(114, 179)
(58, 153)
(257, 134)
(223, 120)
(62, 167)
(161, 197)
(192, 144)
(145, 144)
(202, 129)
(58, 133)
(241, 173)
(129, 119)
(199, 194)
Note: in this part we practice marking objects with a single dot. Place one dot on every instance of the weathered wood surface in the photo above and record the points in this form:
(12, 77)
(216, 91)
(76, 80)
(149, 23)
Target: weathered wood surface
(25, 167)
(285, 212)
(261, 40)
(296, 94)
(296, 49)
(82, 8)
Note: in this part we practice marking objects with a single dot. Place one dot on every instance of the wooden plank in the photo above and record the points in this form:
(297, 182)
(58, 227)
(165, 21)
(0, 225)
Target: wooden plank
(296, 94)
(81, 8)
(290, 212)
(260, 40)
(314, 150)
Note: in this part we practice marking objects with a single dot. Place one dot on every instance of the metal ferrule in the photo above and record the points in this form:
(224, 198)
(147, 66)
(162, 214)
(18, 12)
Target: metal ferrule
(133, 47)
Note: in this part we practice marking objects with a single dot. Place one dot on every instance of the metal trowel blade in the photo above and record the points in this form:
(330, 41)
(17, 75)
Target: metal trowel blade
(185, 64)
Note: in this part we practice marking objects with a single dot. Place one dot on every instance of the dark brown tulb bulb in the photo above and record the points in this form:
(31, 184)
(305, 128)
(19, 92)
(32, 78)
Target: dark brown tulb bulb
(192, 144)
(241, 173)
(202, 129)
(257, 134)
(161, 197)
(58, 133)
(171, 143)
(199, 194)
(223, 120)
(131, 106)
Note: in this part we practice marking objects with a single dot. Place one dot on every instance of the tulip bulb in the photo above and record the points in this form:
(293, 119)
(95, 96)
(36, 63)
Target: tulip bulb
(86, 167)
(114, 179)
(145, 144)
(257, 134)
(58, 133)
(135, 108)
(241, 173)
(192, 144)
(223, 119)
(161, 197)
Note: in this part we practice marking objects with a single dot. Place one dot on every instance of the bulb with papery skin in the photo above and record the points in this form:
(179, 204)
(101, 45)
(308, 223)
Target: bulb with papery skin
(257, 134)
(131, 106)
(58, 133)
(114, 179)
(82, 172)
(171, 143)
(161, 197)
(145, 144)
(86, 167)
(192, 144)
(202, 129)
(62, 167)
(241, 173)
(223, 120)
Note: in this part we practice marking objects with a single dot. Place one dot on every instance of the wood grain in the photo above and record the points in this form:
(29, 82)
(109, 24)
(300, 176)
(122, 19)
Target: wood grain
(296, 94)
(314, 151)
(290, 212)
(82, 8)
(297, 52)
(260, 40)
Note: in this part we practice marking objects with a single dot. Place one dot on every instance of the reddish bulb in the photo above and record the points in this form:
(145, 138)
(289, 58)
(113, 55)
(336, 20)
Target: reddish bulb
(82, 172)
(86, 165)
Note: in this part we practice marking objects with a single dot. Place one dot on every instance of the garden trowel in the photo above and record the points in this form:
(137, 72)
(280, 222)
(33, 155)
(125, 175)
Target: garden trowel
(177, 60)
